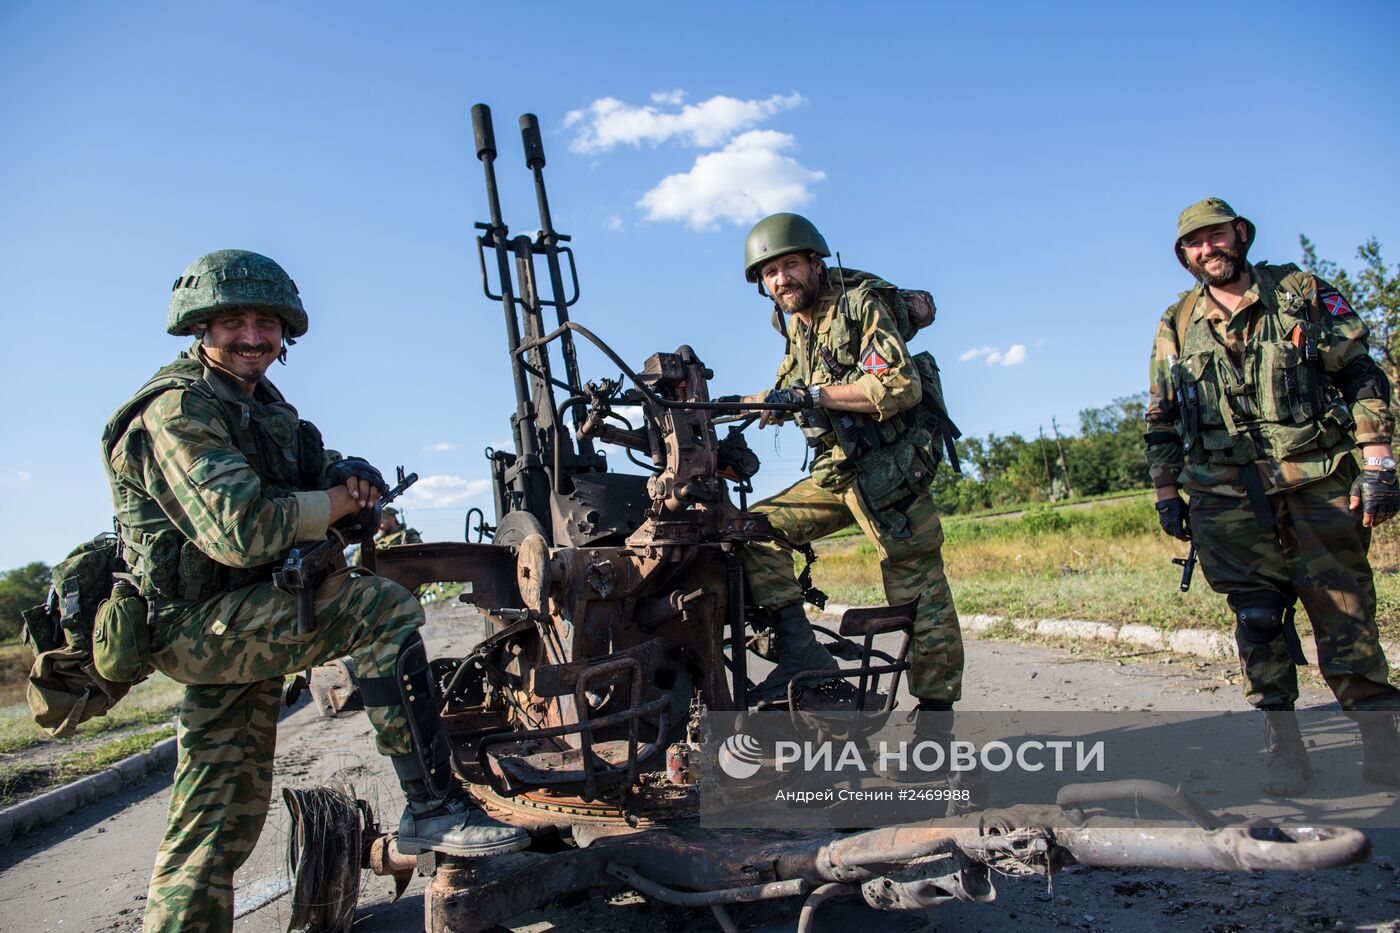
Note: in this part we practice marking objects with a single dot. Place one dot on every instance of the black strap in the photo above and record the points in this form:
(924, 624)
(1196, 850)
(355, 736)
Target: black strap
(380, 691)
(1254, 488)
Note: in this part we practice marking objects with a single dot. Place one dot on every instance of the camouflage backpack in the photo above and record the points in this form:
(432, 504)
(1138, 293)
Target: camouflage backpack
(67, 685)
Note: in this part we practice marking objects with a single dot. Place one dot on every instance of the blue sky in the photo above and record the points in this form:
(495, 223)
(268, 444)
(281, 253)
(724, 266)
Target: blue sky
(1025, 162)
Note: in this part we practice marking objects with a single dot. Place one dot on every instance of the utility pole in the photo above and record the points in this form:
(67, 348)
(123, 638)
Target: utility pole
(1045, 455)
(1069, 486)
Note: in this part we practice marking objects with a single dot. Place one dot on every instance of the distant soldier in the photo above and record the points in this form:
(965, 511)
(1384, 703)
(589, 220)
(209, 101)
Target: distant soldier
(1262, 389)
(847, 362)
(392, 531)
(214, 477)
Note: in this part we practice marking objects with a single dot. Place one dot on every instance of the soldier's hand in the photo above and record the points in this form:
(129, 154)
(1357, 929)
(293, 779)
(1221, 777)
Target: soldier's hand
(1172, 514)
(359, 477)
(1376, 495)
(797, 396)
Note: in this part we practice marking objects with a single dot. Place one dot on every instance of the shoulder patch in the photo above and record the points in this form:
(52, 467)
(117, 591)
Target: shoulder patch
(871, 361)
(1335, 303)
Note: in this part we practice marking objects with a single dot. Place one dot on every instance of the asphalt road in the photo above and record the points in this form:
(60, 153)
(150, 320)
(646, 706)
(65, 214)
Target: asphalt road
(90, 872)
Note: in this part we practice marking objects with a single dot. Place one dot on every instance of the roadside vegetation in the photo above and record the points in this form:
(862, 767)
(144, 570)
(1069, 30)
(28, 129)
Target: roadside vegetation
(1107, 562)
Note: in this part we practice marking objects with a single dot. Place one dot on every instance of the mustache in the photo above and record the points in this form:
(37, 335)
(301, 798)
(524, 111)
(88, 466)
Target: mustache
(263, 347)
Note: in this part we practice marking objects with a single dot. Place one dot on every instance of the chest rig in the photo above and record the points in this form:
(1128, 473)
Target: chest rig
(1273, 400)
(285, 452)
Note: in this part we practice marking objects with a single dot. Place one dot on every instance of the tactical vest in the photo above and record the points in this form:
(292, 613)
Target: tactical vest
(285, 452)
(1276, 402)
(895, 459)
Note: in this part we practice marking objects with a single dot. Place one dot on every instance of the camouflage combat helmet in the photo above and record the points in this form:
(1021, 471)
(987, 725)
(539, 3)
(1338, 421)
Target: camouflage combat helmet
(1204, 214)
(777, 235)
(390, 510)
(230, 279)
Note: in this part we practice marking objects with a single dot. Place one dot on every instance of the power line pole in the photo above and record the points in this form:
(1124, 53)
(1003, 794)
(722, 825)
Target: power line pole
(1064, 465)
(1045, 455)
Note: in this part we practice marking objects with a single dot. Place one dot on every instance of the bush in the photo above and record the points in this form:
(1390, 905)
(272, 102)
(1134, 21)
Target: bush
(1042, 519)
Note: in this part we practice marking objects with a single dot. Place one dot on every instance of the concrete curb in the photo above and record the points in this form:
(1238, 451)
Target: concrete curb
(1200, 642)
(53, 805)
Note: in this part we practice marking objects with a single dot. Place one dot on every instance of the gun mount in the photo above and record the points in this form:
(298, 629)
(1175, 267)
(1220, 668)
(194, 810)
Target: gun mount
(617, 616)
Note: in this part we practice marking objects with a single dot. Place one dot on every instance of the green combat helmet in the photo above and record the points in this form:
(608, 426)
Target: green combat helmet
(1204, 214)
(777, 235)
(231, 279)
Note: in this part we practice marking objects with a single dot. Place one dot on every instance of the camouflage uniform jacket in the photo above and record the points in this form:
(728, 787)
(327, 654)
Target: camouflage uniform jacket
(395, 538)
(862, 347)
(210, 485)
(1253, 390)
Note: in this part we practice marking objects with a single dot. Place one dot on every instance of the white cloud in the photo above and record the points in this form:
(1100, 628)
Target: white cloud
(613, 222)
(747, 179)
(608, 122)
(442, 447)
(444, 491)
(1013, 356)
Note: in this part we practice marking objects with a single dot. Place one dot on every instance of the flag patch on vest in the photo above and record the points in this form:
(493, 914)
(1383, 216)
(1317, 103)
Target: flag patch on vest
(1336, 304)
(873, 362)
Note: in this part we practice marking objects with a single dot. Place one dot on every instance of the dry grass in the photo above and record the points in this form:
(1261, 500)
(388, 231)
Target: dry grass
(1109, 563)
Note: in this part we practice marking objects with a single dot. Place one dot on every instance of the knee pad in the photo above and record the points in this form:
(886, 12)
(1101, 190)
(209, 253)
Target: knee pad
(1259, 616)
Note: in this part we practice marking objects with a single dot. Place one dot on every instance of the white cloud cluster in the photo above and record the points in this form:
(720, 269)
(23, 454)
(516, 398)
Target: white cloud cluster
(444, 491)
(748, 172)
(608, 122)
(748, 178)
(1013, 356)
(442, 447)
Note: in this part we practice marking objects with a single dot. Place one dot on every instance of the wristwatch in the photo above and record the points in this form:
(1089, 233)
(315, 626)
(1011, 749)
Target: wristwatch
(1380, 463)
(815, 394)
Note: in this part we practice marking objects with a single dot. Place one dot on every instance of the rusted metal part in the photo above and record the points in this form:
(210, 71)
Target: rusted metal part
(384, 858)
(489, 568)
(930, 882)
(755, 892)
(1234, 848)
(1073, 796)
(468, 898)
(824, 893)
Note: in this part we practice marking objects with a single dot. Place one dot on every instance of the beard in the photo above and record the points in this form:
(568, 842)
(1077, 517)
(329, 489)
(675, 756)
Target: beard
(796, 298)
(1231, 265)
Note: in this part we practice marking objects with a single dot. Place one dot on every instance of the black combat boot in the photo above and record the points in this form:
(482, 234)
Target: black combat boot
(1288, 770)
(1382, 748)
(454, 824)
(798, 650)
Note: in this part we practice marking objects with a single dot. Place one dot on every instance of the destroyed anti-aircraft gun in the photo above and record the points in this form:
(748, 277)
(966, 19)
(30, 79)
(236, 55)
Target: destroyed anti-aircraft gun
(617, 618)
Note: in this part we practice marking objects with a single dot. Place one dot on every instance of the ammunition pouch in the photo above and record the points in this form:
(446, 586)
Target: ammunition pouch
(816, 428)
(66, 690)
(167, 565)
(121, 637)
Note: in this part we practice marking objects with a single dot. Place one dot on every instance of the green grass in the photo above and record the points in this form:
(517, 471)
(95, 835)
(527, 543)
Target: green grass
(1110, 563)
(154, 701)
(1010, 509)
(19, 781)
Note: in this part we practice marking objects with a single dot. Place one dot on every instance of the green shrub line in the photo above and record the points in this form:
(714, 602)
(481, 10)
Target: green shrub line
(19, 781)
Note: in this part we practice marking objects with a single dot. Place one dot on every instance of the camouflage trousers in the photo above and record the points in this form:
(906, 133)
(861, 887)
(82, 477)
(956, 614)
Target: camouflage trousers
(911, 568)
(1317, 550)
(232, 652)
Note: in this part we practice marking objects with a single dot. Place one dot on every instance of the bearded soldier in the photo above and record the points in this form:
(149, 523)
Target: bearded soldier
(1262, 389)
(214, 477)
(877, 429)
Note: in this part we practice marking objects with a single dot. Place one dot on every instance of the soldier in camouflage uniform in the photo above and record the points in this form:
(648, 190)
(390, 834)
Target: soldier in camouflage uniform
(391, 532)
(847, 361)
(214, 476)
(1262, 389)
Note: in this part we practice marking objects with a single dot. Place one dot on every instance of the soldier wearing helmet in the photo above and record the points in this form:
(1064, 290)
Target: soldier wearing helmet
(1263, 394)
(214, 477)
(847, 363)
(391, 532)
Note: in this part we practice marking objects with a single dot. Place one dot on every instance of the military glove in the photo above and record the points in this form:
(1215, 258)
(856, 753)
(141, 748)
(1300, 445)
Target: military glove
(1172, 515)
(1376, 492)
(360, 468)
(803, 395)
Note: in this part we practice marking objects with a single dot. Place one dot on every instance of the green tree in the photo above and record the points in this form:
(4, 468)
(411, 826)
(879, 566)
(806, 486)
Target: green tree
(1374, 291)
(19, 589)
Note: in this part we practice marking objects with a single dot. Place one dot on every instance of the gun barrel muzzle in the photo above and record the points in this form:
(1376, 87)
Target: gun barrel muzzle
(530, 136)
(485, 135)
